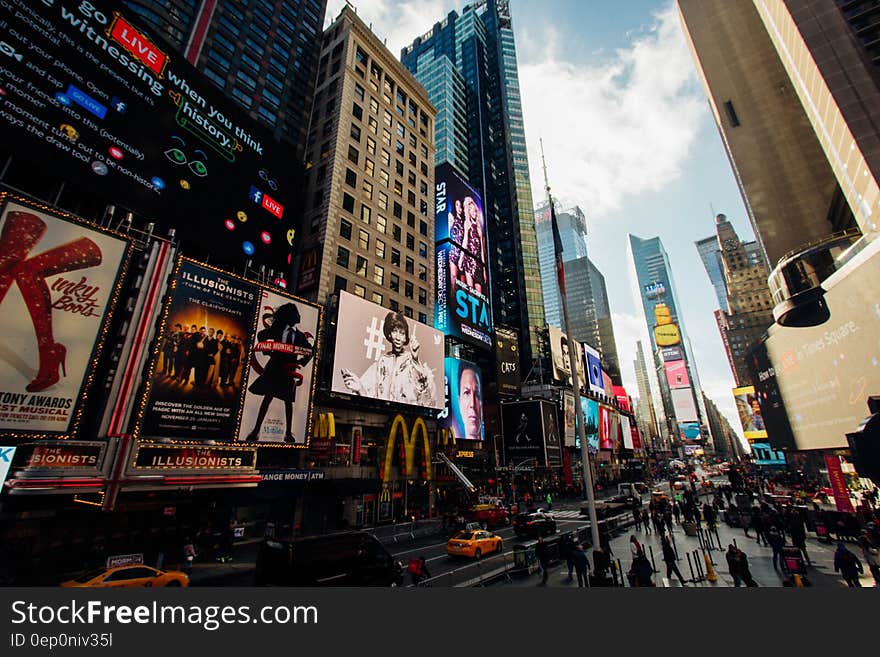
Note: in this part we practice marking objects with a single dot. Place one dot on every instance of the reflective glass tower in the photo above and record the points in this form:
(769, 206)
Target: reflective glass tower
(467, 63)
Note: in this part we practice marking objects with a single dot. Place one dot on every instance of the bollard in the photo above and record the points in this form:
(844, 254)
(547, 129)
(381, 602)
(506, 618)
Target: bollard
(718, 538)
(798, 582)
(699, 565)
(690, 565)
(653, 565)
(735, 545)
(620, 570)
(674, 546)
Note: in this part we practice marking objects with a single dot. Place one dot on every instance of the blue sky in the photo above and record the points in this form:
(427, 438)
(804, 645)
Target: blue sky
(612, 90)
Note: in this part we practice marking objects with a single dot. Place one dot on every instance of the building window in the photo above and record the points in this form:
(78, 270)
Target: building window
(345, 229)
(731, 113)
(378, 275)
(381, 223)
(423, 296)
(368, 189)
(394, 305)
(360, 291)
(423, 318)
(383, 201)
(395, 257)
(371, 146)
(423, 273)
(408, 311)
(342, 256)
(410, 265)
(410, 242)
(361, 266)
(369, 166)
(380, 249)
(353, 155)
(383, 178)
(423, 250)
(363, 240)
(398, 210)
(366, 214)
(423, 228)
(357, 111)
(351, 178)
(377, 298)
(395, 283)
(355, 132)
(348, 202)
(339, 284)
(358, 91)
(396, 233)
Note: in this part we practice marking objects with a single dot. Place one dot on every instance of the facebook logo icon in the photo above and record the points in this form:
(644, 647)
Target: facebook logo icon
(256, 195)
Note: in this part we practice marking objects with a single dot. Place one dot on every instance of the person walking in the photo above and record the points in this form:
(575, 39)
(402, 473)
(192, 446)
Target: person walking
(543, 555)
(848, 565)
(669, 559)
(798, 534)
(581, 565)
(733, 564)
(871, 554)
(776, 540)
(567, 551)
(646, 521)
(744, 572)
(758, 525)
(637, 519)
(635, 547)
(676, 511)
(189, 555)
(549, 500)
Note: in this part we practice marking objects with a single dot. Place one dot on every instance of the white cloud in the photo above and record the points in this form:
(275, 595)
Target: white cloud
(395, 21)
(616, 126)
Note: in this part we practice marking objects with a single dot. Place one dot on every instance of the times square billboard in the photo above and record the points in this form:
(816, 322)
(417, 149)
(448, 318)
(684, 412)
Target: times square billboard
(463, 415)
(463, 307)
(91, 97)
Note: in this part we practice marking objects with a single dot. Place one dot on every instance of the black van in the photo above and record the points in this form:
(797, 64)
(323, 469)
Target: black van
(350, 558)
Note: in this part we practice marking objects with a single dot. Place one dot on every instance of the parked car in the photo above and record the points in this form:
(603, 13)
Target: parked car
(488, 515)
(351, 558)
(137, 575)
(473, 544)
(534, 524)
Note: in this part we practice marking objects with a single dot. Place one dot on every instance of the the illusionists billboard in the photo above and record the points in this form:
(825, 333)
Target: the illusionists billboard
(462, 307)
(90, 95)
(59, 280)
(463, 415)
(381, 354)
(235, 361)
(507, 359)
(826, 373)
(749, 411)
(563, 351)
(459, 213)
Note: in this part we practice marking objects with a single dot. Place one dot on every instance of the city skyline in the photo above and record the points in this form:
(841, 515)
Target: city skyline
(612, 85)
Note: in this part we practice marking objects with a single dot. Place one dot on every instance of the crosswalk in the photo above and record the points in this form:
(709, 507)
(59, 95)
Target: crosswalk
(567, 514)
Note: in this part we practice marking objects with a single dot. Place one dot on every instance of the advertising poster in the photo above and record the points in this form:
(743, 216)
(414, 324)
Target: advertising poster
(625, 432)
(689, 430)
(765, 455)
(666, 333)
(684, 406)
(552, 436)
(120, 113)
(463, 415)
(568, 415)
(594, 370)
(621, 397)
(750, 413)
(590, 413)
(507, 358)
(560, 350)
(769, 395)
(677, 374)
(459, 213)
(606, 439)
(523, 429)
(670, 354)
(278, 389)
(381, 354)
(462, 309)
(194, 393)
(7, 453)
(58, 281)
(614, 429)
(636, 436)
(838, 484)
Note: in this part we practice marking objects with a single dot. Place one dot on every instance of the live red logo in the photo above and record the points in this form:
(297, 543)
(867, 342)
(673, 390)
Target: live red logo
(138, 45)
(273, 206)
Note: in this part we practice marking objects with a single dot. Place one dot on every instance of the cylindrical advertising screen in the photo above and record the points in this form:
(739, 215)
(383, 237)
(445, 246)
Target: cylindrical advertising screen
(58, 282)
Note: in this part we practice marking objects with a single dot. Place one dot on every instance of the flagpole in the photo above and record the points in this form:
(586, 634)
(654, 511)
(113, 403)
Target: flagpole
(575, 383)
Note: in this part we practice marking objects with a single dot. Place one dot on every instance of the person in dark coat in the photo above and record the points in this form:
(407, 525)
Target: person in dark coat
(581, 565)
(646, 521)
(543, 555)
(292, 349)
(669, 559)
(758, 525)
(733, 565)
(798, 534)
(848, 565)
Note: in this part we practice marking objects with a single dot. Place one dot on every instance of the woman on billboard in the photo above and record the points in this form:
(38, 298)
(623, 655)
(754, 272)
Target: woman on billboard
(281, 376)
(473, 241)
(398, 375)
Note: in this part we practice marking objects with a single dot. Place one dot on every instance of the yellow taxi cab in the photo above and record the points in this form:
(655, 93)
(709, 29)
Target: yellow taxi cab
(129, 576)
(471, 543)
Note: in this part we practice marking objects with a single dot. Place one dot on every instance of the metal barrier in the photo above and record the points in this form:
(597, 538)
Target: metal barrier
(407, 531)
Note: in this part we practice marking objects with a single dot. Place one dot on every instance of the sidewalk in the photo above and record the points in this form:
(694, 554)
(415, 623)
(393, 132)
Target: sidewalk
(820, 575)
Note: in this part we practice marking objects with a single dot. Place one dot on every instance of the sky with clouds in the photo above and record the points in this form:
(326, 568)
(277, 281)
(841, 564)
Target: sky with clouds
(612, 90)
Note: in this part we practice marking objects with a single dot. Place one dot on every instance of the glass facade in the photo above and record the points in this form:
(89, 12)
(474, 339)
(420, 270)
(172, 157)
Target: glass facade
(480, 132)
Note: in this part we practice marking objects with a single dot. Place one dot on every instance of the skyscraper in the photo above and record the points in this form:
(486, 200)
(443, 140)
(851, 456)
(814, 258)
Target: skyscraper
(573, 233)
(794, 89)
(262, 53)
(645, 410)
(467, 63)
(654, 291)
(710, 254)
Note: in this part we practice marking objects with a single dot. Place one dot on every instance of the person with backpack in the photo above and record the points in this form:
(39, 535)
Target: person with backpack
(418, 570)
(848, 565)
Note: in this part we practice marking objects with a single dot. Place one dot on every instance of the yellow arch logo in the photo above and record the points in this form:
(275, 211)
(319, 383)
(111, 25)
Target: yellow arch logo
(419, 428)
